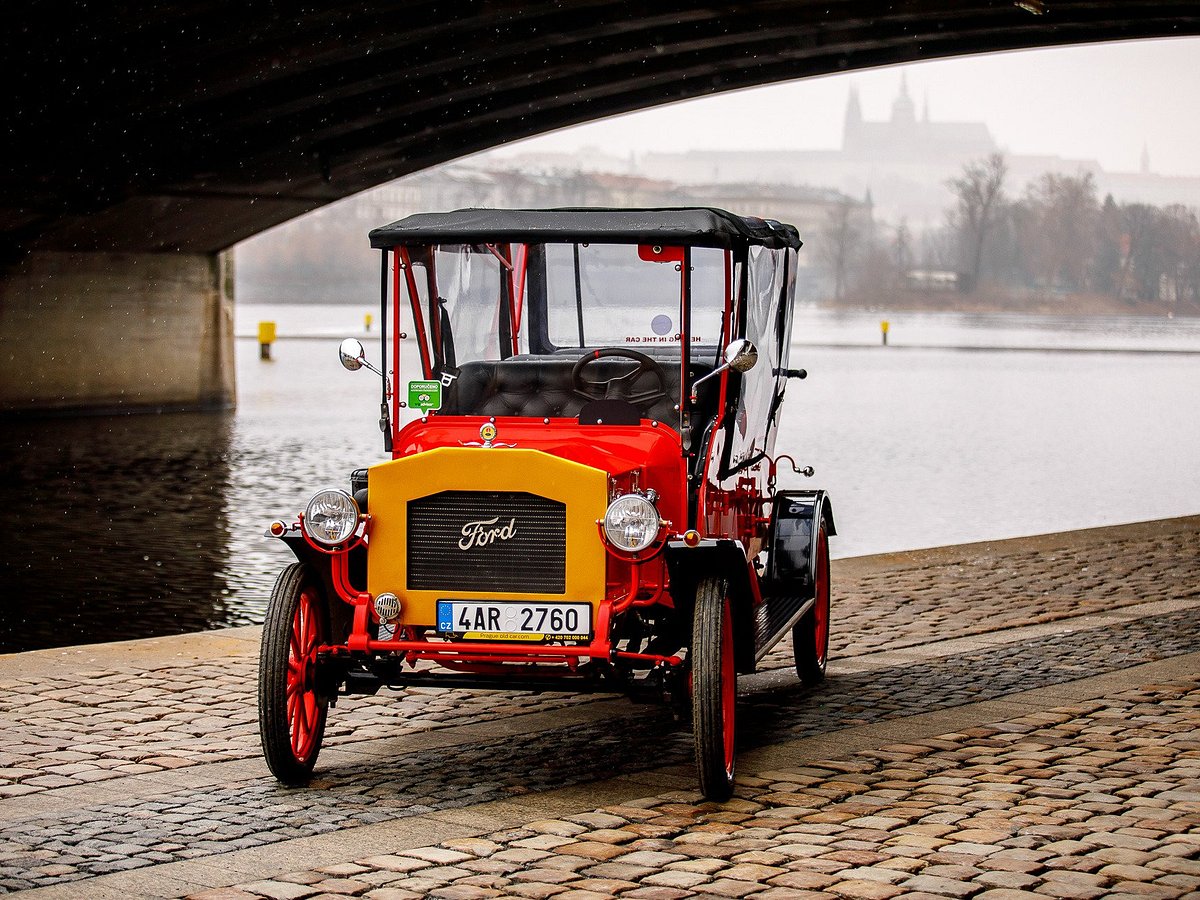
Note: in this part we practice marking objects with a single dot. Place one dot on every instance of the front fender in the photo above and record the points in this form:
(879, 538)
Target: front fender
(320, 564)
(727, 559)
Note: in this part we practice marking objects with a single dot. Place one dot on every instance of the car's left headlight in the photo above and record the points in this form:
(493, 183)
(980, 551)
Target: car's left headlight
(631, 523)
(331, 517)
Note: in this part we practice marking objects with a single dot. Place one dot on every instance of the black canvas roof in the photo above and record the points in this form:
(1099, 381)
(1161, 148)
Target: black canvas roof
(695, 226)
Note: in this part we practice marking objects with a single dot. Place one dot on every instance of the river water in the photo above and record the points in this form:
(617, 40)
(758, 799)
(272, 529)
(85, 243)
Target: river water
(967, 427)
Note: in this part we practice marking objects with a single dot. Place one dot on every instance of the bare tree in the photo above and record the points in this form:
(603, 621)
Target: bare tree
(1142, 240)
(902, 249)
(1107, 266)
(1064, 223)
(1181, 234)
(979, 193)
(843, 237)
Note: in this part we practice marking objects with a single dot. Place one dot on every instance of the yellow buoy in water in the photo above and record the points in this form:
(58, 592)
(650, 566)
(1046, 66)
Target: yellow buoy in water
(266, 337)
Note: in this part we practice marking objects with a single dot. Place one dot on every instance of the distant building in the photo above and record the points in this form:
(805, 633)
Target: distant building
(905, 162)
(324, 256)
(814, 212)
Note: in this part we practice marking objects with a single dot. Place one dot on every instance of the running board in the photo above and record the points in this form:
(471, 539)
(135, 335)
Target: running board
(776, 617)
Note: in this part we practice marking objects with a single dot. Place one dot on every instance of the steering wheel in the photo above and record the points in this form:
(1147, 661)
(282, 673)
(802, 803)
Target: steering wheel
(619, 387)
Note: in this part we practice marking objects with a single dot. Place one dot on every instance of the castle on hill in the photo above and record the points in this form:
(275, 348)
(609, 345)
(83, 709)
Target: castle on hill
(886, 172)
(906, 138)
(902, 165)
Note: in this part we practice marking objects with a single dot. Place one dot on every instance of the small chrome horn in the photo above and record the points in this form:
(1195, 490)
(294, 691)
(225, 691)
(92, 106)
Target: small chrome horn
(387, 606)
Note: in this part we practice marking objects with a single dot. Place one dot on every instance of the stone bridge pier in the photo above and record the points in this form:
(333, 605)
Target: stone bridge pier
(111, 332)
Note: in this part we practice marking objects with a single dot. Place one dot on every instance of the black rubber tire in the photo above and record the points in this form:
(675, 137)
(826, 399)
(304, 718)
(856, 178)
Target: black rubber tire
(714, 689)
(294, 587)
(810, 635)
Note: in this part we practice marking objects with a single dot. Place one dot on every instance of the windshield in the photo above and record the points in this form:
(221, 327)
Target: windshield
(474, 302)
(550, 330)
(621, 298)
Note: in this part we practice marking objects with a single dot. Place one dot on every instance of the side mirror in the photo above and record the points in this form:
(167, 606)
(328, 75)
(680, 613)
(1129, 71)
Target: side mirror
(354, 357)
(741, 355)
(352, 354)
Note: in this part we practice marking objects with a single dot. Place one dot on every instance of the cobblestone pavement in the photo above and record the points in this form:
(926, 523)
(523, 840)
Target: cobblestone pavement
(1095, 799)
(124, 757)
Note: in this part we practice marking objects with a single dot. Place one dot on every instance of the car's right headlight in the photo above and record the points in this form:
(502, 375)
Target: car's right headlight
(631, 523)
(331, 517)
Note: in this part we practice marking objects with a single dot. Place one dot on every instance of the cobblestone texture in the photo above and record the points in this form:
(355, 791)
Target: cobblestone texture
(106, 724)
(142, 721)
(204, 821)
(1097, 799)
(981, 593)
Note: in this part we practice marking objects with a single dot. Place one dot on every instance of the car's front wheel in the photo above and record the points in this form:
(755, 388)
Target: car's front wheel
(714, 689)
(291, 712)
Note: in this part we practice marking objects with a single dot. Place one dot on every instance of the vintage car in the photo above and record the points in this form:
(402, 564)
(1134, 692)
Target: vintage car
(580, 406)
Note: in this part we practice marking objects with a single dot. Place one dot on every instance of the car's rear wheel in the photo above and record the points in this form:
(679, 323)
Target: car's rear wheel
(714, 689)
(291, 712)
(810, 635)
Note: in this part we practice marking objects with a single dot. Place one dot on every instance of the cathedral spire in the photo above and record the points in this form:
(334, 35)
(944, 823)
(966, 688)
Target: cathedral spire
(903, 110)
(852, 129)
(853, 107)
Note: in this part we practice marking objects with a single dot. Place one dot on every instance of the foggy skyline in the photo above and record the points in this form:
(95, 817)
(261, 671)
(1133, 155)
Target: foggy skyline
(1101, 102)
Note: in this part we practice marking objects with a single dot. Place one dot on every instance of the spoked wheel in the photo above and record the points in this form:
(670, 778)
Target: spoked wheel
(291, 714)
(810, 635)
(714, 689)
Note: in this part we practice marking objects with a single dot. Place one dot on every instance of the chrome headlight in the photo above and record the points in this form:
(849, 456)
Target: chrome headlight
(331, 516)
(631, 523)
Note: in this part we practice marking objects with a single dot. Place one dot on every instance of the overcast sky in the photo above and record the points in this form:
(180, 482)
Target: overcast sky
(1101, 102)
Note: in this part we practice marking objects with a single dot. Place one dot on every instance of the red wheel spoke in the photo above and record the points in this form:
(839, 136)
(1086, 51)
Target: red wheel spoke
(303, 709)
(304, 617)
(295, 653)
(302, 720)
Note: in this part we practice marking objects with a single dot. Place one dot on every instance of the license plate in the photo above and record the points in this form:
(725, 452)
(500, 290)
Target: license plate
(515, 621)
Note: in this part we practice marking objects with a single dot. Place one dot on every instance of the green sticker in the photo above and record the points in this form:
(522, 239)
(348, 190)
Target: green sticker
(425, 395)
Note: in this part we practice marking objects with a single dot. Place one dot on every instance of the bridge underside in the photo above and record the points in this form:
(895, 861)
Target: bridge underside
(141, 140)
(189, 126)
